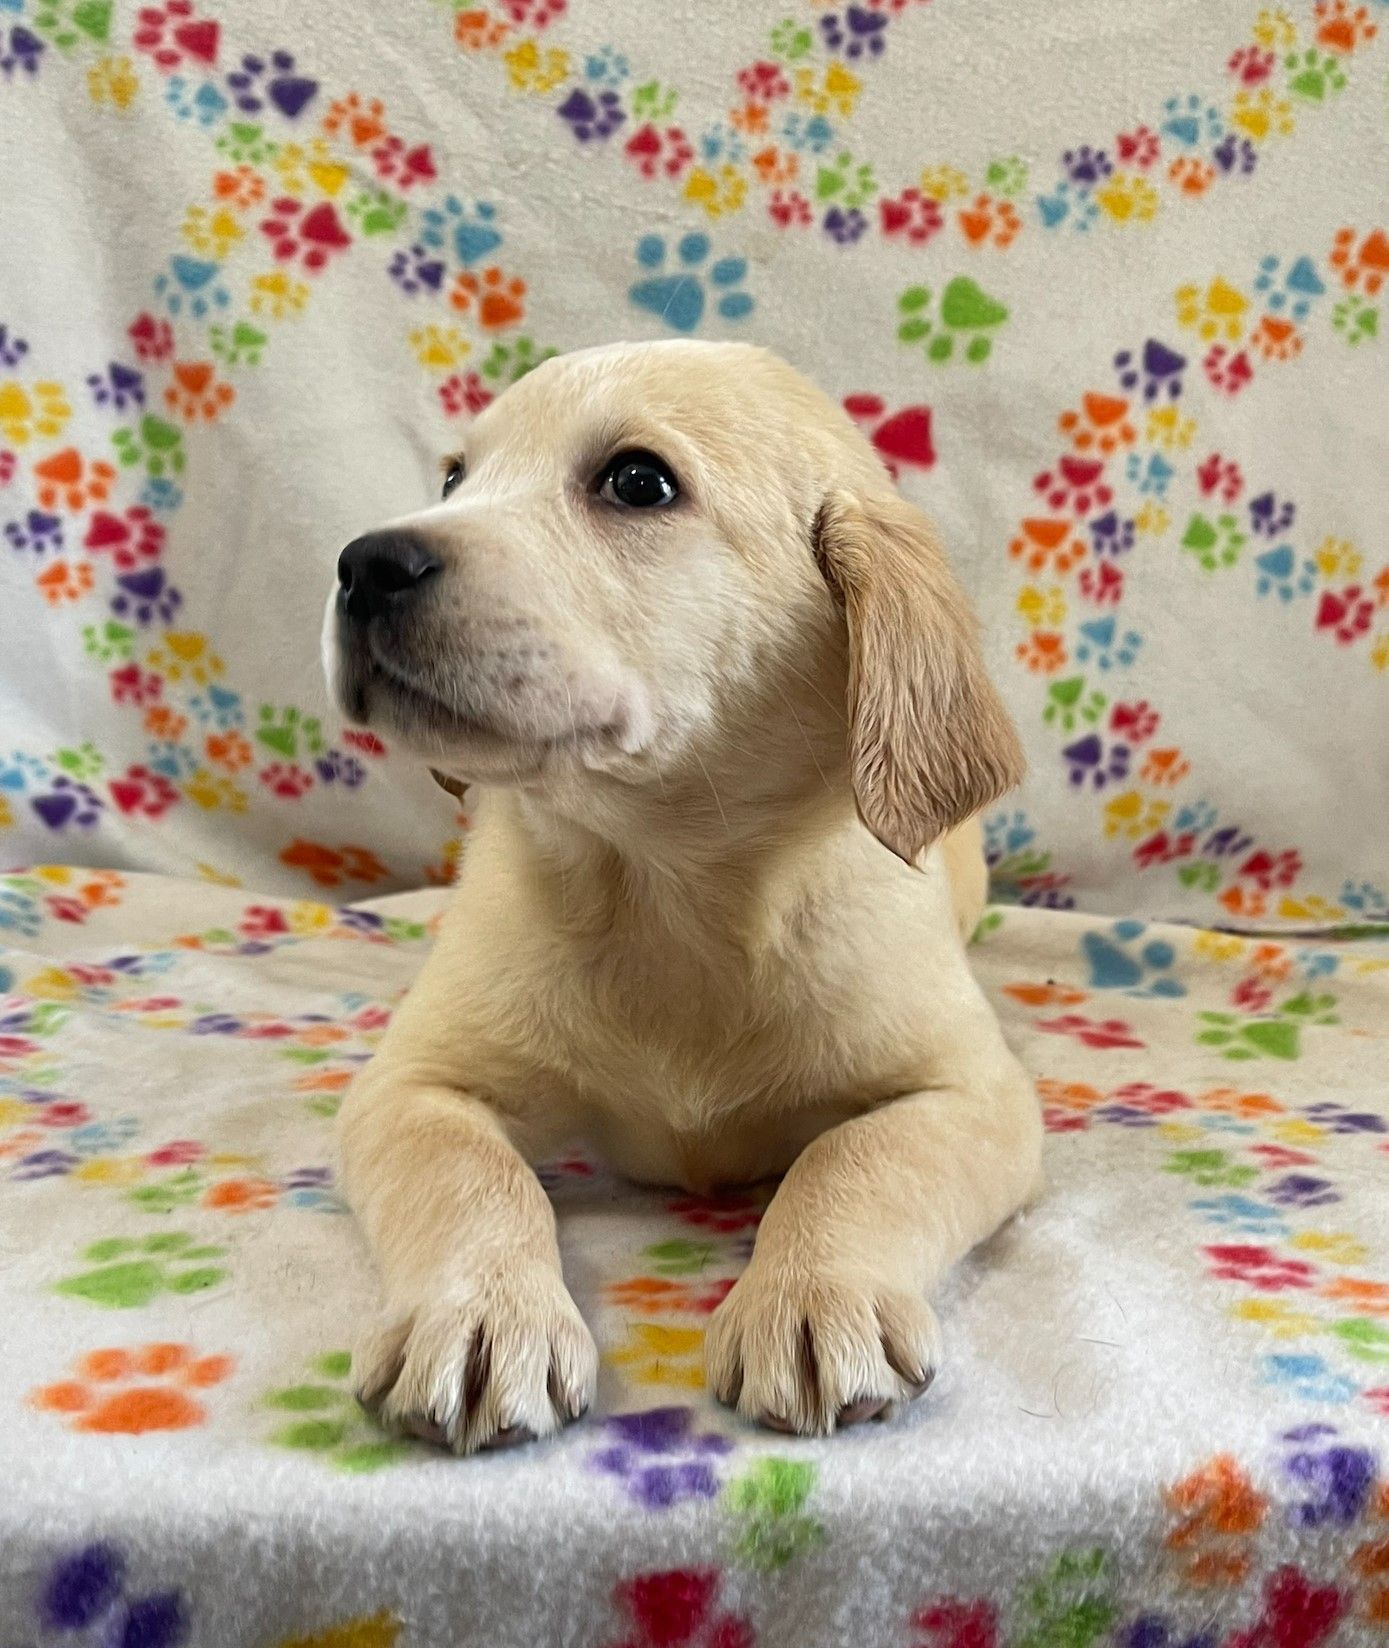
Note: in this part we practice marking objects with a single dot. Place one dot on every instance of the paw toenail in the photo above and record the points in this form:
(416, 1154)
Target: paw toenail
(867, 1407)
(775, 1422)
(425, 1430)
(511, 1436)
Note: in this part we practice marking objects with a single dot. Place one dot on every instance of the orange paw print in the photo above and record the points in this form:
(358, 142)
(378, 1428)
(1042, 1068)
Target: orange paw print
(69, 481)
(1046, 542)
(229, 750)
(159, 721)
(1043, 652)
(1276, 338)
(1192, 175)
(240, 188)
(1101, 425)
(1217, 1510)
(242, 1196)
(363, 121)
(128, 1392)
(1342, 27)
(1363, 263)
(63, 582)
(477, 30)
(496, 297)
(196, 392)
(774, 167)
(1164, 767)
(750, 119)
(331, 866)
(990, 222)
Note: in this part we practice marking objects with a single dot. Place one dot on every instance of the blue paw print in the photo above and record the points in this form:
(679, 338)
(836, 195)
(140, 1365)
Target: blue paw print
(1151, 475)
(1294, 291)
(173, 760)
(1192, 121)
(678, 296)
(193, 284)
(1309, 1377)
(198, 101)
(1068, 203)
(1102, 640)
(471, 231)
(721, 144)
(1007, 833)
(18, 913)
(815, 134)
(1119, 962)
(606, 67)
(19, 771)
(1365, 898)
(1280, 573)
(219, 707)
(161, 495)
(1242, 1213)
(102, 1138)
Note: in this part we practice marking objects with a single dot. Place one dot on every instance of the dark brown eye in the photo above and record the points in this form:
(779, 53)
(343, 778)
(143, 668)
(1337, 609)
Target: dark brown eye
(638, 480)
(453, 476)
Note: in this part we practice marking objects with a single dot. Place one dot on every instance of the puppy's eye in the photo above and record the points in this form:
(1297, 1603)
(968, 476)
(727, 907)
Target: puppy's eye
(638, 480)
(453, 476)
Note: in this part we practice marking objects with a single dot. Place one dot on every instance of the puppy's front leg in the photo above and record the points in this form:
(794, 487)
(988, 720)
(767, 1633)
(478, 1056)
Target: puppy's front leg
(829, 1324)
(480, 1344)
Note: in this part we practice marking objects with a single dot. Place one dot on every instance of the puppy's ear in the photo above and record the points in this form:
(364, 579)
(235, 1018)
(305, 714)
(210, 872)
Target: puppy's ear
(930, 742)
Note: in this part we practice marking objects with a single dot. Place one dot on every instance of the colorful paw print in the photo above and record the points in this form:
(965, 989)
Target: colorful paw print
(1314, 75)
(1119, 961)
(1215, 544)
(1216, 311)
(496, 299)
(961, 328)
(308, 237)
(1155, 370)
(321, 1416)
(470, 232)
(127, 1273)
(133, 1391)
(192, 286)
(39, 412)
(678, 296)
(273, 82)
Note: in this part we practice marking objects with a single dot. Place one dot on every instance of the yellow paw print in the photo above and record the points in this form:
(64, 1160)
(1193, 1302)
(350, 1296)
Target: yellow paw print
(305, 169)
(834, 92)
(1133, 815)
(277, 295)
(308, 917)
(1262, 114)
(657, 1355)
(113, 80)
(717, 192)
(944, 183)
(211, 231)
(212, 793)
(6, 816)
(1281, 1320)
(1152, 520)
(28, 414)
(1128, 198)
(530, 69)
(439, 348)
(1275, 29)
(1335, 1247)
(1041, 606)
(218, 878)
(1338, 558)
(1168, 429)
(1218, 946)
(1379, 654)
(1215, 311)
(186, 656)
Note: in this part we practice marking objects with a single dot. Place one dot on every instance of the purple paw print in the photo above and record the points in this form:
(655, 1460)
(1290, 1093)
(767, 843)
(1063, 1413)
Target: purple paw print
(1046, 892)
(45, 1164)
(336, 768)
(1339, 1479)
(1086, 166)
(363, 921)
(844, 227)
(1270, 518)
(592, 118)
(1157, 369)
(658, 1459)
(858, 33)
(145, 597)
(216, 1024)
(1226, 842)
(258, 82)
(118, 387)
(1236, 157)
(417, 270)
(12, 349)
(22, 51)
(87, 1589)
(1340, 1120)
(1089, 762)
(37, 532)
(1111, 534)
(68, 802)
(1302, 1190)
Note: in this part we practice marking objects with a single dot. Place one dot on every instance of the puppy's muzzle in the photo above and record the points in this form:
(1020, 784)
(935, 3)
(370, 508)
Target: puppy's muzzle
(383, 572)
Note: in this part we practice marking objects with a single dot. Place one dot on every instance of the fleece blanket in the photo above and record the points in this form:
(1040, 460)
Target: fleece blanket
(1163, 1420)
(1104, 283)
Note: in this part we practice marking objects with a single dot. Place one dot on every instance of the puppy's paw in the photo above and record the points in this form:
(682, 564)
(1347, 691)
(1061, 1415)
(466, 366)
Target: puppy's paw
(504, 1359)
(810, 1353)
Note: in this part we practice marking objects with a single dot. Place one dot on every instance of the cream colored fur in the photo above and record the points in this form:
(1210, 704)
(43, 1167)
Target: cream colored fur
(675, 935)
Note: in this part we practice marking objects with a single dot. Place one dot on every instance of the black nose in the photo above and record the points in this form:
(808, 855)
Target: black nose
(380, 570)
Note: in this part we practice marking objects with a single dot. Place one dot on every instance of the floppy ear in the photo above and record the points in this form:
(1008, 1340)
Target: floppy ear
(930, 742)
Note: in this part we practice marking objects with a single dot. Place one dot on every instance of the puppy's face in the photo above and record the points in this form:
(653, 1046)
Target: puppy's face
(634, 545)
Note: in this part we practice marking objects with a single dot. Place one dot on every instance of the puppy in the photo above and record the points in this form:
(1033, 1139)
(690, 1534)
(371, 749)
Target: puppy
(722, 702)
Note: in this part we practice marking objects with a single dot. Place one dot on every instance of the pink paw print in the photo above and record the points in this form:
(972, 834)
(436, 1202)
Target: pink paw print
(1140, 147)
(1076, 484)
(911, 216)
(1103, 583)
(153, 339)
(140, 791)
(311, 236)
(1221, 478)
(8, 464)
(659, 153)
(789, 209)
(1134, 723)
(533, 14)
(285, 780)
(1252, 65)
(171, 34)
(1228, 369)
(129, 539)
(1347, 613)
(404, 167)
(459, 394)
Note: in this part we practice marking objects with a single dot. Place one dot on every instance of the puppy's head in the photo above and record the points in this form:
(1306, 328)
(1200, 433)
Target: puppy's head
(638, 552)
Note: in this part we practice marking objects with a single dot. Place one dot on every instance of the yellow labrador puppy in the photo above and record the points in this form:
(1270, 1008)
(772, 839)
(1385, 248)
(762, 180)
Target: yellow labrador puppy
(724, 707)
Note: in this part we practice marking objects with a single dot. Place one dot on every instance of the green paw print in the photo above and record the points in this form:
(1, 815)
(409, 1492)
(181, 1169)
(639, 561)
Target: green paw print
(283, 731)
(989, 924)
(131, 1272)
(767, 1501)
(328, 1421)
(1305, 1008)
(326, 1105)
(967, 316)
(1007, 176)
(109, 643)
(1210, 1168)
(170, 1194)
(86, 761)
(375, 212)
(240, 344)
(156, 445)
(845, 182)
(1070, 1607)
(1356, 320)
(1069, 704)
(245, 144)
(790, 40)
(653, 101)
(509, 361)
(1215, 544)
(1364, 1338)
(1239, 1038)
(65, 25)
(1204, 876)
(680, 1257)
(1313, 75)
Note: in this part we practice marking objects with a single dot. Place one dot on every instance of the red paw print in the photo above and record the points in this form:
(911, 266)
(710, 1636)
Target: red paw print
(533, 14)
(1269, 870)
(312, 236)
(1134, 722)
(1259, 1267)
(657, 153)
(140, 791)
(1076, 484)
(153, 339)
(903, 439)
(1103, 583)
(132, 685)
(911, 216)
(463, 394)
(404, 167)
(1091, 1032)
(1220, 477)
(1228, 369)
(367, 743)
(1347, 613)
(8, 464)
(725, 1214)
(172, 34)
(990, 222)
(789, 209)
(951, 1623)
(285, 780)
(129, 539)
(1252, 65)
(764, 82)
(1140, 147)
